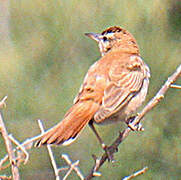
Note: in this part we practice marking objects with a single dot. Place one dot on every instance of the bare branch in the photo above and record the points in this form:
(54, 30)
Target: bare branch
(4, 167)
(50, 153)
(133, 126)
(22, 148)
(2, 102)
(142, 171)
(9, 148)
(73, 166)
(63, 169)
(27, 144)
(4, 177)
(175, 86)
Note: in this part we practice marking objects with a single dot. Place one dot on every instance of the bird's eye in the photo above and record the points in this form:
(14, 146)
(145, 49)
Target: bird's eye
(104, 38)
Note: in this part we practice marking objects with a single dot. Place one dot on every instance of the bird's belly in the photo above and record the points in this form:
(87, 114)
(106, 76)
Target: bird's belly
(119, 116)
(138, 99)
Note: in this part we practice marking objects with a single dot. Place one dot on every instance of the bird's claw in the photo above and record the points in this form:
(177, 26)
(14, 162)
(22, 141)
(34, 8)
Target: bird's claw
(110, 153)
(133, 127)
(137, 127)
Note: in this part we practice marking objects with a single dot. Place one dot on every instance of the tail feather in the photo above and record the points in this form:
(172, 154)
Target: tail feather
(74, 121)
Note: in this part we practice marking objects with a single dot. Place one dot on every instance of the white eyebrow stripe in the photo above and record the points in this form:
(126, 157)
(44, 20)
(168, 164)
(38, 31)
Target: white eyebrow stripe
(109, 34)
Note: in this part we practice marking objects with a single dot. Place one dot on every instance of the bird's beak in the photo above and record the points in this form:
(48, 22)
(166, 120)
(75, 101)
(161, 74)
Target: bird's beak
(94, 36)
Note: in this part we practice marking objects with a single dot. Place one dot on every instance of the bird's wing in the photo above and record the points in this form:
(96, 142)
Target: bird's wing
(125, 81)
(94, 84)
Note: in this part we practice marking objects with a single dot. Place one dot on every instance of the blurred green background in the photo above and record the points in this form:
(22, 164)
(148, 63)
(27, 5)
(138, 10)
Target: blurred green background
(44, 56)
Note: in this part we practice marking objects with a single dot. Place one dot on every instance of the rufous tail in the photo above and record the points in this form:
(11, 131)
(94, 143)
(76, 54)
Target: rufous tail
(74, 121)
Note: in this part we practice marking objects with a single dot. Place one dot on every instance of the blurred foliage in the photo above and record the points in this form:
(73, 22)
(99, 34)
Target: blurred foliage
(44, 56)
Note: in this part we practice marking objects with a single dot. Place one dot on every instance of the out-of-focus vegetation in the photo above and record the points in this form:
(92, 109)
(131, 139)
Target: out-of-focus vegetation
(44, 56)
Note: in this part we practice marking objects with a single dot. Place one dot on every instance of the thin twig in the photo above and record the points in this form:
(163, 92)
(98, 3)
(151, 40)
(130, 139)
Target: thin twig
(22, 148)
(9, 148)
(63, 169)
(73, 166)
(113, 148)
(142, 171)
(3, 160)
(56, 171)
(2, 102)
(28, 143)
(4, 167)
(122, 135)
(175, 86)
(4, 177)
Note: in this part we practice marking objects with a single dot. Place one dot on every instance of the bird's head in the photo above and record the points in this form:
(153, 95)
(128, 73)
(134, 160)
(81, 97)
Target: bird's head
(115, 38)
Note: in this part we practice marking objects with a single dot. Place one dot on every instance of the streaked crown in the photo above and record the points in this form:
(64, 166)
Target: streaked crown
(115, 39)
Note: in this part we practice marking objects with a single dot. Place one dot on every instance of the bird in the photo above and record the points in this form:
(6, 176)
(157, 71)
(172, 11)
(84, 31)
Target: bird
(114, 87)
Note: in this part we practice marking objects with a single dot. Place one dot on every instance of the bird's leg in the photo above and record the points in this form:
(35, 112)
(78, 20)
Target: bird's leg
(137, 127)
(104, 147)
(91, 125)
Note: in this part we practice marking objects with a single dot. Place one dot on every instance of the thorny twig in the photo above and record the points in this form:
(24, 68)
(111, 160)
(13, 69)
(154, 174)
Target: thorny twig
(122, 135)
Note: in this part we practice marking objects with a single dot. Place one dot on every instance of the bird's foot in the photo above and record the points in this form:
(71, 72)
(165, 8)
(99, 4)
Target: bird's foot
(110, 152)
(137, 127)
(132, 126)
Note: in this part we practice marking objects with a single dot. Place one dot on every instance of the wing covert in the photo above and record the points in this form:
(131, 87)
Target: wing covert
(125, 82)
